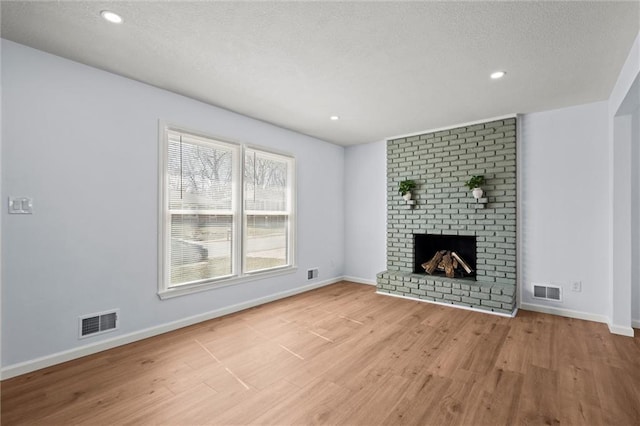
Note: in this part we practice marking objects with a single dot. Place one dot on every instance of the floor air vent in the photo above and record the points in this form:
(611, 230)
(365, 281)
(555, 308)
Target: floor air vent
(548, 292)
(99, 323)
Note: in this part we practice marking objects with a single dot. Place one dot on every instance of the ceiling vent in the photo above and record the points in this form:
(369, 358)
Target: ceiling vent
(99, 323)
(548, 292)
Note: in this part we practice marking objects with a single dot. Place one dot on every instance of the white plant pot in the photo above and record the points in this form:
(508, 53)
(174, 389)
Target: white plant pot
(477, 193)
(407, 196)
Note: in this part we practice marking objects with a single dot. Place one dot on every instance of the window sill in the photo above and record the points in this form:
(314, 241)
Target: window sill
(197, 288)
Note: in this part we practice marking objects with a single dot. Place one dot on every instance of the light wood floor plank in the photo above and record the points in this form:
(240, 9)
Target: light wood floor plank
(343, 354)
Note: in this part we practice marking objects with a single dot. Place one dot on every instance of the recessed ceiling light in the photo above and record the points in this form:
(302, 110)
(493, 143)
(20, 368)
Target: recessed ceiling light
(111, 17)
(334, 118)
(498, 74)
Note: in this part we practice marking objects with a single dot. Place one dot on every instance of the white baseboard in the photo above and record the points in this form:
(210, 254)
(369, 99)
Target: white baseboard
(564, 312)
(635, 323)
(359, 280)
(621, 330)
(71, 354)
(615, 329)
(466, 308)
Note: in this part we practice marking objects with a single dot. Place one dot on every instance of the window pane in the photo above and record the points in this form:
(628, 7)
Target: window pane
(200, 247)
(267, 238)
(265, 182)
(221, 199)
(200, 176)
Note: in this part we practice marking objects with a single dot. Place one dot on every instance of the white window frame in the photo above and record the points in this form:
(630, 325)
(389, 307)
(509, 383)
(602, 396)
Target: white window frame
(238, 276)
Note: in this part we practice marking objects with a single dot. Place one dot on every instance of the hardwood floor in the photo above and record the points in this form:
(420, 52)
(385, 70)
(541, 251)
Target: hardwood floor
(345, 355)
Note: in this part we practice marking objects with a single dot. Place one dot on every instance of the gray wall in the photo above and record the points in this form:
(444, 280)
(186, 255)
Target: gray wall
(563, 205)
(365, 215)
(623, 99)
(84, 144)
(635, 217)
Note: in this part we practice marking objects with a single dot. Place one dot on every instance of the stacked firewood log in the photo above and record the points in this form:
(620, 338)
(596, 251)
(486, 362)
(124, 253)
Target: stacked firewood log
(447, 261)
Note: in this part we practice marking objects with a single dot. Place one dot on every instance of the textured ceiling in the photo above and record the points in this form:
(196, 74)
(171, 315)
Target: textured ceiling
(386, 68)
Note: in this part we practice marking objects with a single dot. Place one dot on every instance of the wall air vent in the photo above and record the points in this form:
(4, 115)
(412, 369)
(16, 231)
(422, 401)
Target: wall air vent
(102, 322)
(548, 292)
(312, 273)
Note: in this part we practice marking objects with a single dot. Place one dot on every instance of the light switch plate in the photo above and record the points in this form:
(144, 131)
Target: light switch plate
(20, 205)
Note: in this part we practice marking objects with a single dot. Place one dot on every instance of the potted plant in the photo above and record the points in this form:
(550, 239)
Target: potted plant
(474, 184)
(406, 186)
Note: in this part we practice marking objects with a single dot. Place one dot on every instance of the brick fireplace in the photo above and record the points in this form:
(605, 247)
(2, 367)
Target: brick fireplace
(444, 209)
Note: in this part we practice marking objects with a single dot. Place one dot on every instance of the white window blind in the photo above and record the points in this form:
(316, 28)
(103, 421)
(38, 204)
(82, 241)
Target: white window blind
(201, 193)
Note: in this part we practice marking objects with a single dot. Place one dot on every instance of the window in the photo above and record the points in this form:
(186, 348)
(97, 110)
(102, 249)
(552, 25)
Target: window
(226, 212)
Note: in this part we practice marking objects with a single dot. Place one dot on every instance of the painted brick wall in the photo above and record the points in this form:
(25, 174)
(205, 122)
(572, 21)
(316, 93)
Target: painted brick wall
(440, 163)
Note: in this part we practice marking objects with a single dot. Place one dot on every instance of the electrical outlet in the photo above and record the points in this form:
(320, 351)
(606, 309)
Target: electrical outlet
(20, 205)
(576, 286)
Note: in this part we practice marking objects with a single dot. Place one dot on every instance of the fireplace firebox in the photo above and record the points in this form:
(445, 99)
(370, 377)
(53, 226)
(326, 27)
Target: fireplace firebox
(425, 246)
